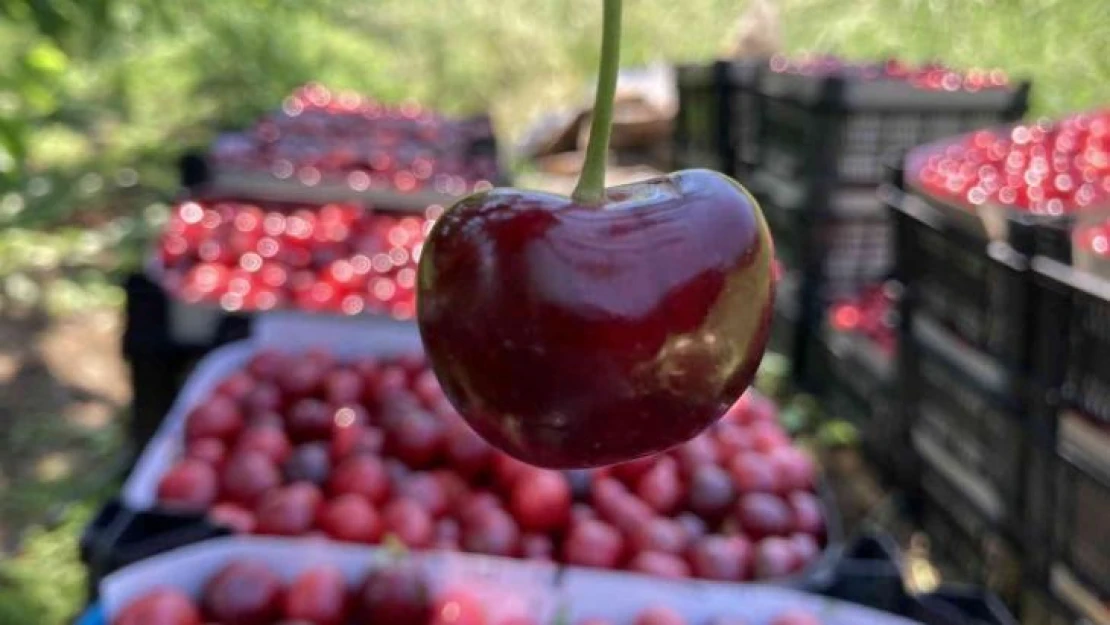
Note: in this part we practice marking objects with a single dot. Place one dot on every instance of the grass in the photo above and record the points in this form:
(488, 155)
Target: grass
(99, 97)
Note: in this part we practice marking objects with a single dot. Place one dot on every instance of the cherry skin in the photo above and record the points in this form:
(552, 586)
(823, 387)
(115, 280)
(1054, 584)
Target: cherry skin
(350, 518)
(317, 596)
(162, 606)
(189, 485)
(243, 593)
(651, 311)
(396, 595)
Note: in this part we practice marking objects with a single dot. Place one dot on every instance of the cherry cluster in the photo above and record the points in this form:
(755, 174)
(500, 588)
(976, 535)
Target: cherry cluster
(933, 76)
(872, 314)
(338, 258)
(247, 592)
(299, 444)
(1044, 168)
(319, 134)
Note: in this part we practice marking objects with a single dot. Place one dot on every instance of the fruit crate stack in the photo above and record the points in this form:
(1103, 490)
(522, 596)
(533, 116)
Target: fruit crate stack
(985, 231)
(717, 124)
(321, 207)
(827, 127)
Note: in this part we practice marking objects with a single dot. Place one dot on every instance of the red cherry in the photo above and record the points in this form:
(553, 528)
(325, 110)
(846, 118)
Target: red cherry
(309, 420)
(317, 596)
(302, 377)
(763, 515)
(417, 440)
(211, 451)
(162, 606)
(409, 522)
(467, 453)
(593, 543)
(247, 476)
(492, 532)
(310, 462)
(243, 593)
(661, 487)
(360, 475)
(188, 485)
(508, 470)
(796, 617)
(630, 472)
(768, 437)
(806, 549)
(236, 518)
(267, 440)
(794, 469)
(343, 386)
(264, 398)
(732, 440)
(666, 565)
(722, 558)
(426, 490)
(694, 454)
(458, 608)
(216, 417)
(350, 518)
(356, 440)
(236, 386)
(289, 511)
(501, 257)
(806, 513)
(753, 473)
(615, 504)
(774, 558)
(659, 616)
(542, 502)
(693, 526)
(537, 547)
(447, 535)
(711, 493)
(660, 535)
(397, 595)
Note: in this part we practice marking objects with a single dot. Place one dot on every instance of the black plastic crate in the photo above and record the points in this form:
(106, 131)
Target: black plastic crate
(717, 124)
(1082, 528)
(839, 130)
(963, 537)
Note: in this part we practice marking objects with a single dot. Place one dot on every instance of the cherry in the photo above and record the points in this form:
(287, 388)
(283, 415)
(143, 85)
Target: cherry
(660, 535)
(659, 615)
(774, 557)
(468, 453)
(188, 485)
(310, 462)
(243, 593)
(360, 475)
(694, 454)
(508, 470)
(492, 532)
(289, 511)
(162, 606)
(317, 596)
(630, 472)
(693, 525)
(397, 595)
(350, 518)
(753, 473)
(458, 608)
(426, 490)
(805, 547)
(355, 440)
(593, 543)
(264, 398)
(711, 492)
(666, 565)
(301, 377)
(447, 535)
(236, 386)
(806, 513)
(236, 518)
(764, 515)
(537, 547)
(267, 440)
(310, 419)
(417, 440)
(732, 440)
(768, 437)
(615, 504)
(661, 487)
(722, 558)
(266, 364)
(343, 386)
(795, 617)
(794, 469)
(542, 502)
(409, 522)
(246, 476)
(212, 451)
(216, 417)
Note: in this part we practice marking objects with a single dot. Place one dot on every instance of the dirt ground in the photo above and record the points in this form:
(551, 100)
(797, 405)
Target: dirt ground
(63, 397)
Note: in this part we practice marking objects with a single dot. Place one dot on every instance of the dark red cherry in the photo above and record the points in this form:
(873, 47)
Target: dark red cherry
(606, 332)
(162, 606)
(243, 593)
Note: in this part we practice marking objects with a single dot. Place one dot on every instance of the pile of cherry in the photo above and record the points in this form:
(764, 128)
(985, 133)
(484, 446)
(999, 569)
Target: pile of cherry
(338, 258)
(248, 593)
(320, 134)
(301, 444)
(1044, 168)
(872, 314)
(928, 76)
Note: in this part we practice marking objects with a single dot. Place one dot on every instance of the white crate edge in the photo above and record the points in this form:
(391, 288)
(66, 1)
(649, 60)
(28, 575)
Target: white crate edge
(289, 331)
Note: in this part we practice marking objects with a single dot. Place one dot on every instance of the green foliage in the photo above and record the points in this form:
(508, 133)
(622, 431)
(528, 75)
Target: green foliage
(45, 583)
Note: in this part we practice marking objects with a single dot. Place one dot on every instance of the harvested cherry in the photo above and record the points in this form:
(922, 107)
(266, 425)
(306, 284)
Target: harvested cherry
(409, 522)
(243, 593)
(542, 502)
(458, 608)
(350, 518)
(289, 511)
(593, 543)
(236, 518)
(583, 331)
(666, 565)
(397, 595)
(659, 615)
(310, 462)
(188, 485)
(317, 596)
(159, 607)
(247, 476)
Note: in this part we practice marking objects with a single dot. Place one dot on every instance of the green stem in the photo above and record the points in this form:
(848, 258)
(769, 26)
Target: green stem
(591, 184)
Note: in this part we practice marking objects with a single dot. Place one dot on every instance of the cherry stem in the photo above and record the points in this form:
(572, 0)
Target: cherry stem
(591, 184)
